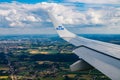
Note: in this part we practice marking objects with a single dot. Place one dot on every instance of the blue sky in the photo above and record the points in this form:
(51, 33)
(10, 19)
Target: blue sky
(30, 17)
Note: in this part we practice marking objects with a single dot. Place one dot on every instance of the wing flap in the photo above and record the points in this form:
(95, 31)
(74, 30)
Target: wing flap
(108, 65)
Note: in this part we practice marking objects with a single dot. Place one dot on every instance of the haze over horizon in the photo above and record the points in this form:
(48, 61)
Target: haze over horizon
(81, 17)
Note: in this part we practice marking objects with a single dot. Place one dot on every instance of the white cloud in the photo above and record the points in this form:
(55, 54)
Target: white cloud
(33, 15)
(20, 15)
(96, 1)
(16, 16)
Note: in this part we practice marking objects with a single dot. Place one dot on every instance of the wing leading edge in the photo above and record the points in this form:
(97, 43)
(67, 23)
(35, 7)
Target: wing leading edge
(103, 56)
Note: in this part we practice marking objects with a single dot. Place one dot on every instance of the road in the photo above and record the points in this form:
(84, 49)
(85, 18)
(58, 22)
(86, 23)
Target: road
(11, 68)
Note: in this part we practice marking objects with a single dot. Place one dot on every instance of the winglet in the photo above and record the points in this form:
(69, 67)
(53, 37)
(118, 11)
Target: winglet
(61, 30)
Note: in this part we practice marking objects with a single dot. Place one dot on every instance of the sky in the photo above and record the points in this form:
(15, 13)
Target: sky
(79, 16)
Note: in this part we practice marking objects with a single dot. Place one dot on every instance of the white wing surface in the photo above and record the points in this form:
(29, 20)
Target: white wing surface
(101, 55)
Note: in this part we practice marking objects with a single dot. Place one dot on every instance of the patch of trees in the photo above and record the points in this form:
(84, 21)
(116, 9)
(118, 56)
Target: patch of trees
(55, 57)
(2, 59)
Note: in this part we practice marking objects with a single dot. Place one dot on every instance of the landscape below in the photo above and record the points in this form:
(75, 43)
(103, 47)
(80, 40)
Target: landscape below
(44, 57)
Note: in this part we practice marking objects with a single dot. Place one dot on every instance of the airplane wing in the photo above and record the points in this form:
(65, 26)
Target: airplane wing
(101, 55)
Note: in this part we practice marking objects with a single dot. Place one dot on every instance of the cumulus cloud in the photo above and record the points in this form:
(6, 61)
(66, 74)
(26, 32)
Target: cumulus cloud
(33, 15)
(15, 15)
(96, 1)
